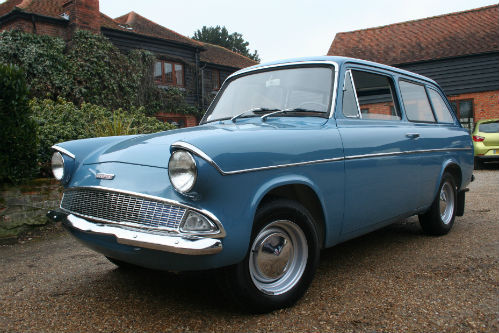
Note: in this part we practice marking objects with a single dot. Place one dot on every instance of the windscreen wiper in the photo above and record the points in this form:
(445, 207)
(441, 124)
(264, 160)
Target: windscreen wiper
(253, 111)
(286, 111)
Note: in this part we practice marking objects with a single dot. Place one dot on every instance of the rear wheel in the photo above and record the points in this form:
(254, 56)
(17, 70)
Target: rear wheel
(439, 219)
(478, 164)
(281, 261)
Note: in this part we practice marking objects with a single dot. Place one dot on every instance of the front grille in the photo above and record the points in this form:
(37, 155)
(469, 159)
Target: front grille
(122, 208)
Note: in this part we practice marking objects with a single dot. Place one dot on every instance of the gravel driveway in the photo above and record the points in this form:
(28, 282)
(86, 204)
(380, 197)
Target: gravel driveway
(392, 280)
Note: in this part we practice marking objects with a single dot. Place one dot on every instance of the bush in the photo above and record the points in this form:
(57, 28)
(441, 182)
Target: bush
(60, 120)
(90, 69)
(17, 129)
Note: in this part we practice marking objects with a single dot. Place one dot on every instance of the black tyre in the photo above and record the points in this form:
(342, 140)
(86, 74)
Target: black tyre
(281, 260)
(439, 219)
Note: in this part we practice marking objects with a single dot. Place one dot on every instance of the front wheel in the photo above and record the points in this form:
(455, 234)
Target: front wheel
(439, 219)
(281, 261)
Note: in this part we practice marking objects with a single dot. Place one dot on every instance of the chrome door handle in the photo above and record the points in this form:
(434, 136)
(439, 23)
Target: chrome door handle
(412, 135)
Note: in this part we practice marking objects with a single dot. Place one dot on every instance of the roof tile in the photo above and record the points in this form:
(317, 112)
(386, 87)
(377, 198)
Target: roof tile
(468, 32)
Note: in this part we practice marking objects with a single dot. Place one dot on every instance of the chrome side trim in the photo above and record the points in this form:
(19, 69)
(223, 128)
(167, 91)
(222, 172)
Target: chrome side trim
(154, 241)
(64, 151)
(211, 216)
(295, 63)
(193, 149)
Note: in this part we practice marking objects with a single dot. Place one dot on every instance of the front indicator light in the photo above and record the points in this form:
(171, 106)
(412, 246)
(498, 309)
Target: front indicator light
(197, 223)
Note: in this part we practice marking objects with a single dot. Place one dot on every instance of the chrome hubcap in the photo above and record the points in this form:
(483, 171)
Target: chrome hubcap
(446, 203)
(278, 257)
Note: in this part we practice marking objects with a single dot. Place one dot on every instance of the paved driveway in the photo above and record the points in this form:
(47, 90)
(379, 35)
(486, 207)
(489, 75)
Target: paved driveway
(393, 280)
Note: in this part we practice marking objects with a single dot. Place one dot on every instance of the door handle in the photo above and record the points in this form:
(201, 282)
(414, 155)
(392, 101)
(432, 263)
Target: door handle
(412, 135)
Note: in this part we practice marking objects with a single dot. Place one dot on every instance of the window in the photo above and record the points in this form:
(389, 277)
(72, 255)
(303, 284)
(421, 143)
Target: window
(416, 104)
(169, 73)
(215, 79)
(464, 112)
(440, 108)
(371, 93)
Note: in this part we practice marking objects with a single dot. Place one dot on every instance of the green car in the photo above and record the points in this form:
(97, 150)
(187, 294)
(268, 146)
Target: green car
(486, 141)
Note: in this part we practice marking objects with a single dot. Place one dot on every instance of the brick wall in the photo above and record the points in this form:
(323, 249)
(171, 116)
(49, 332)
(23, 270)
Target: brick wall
(41, 28)
(181, 119)
(485, 104)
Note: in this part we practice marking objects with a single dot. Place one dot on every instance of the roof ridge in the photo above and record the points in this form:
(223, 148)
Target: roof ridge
(424, 18)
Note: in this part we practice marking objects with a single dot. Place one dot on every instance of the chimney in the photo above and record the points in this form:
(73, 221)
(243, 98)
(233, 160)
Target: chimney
(83, 14)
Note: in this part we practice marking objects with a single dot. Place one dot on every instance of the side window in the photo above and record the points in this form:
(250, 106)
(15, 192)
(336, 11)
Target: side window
(350, 108)
(375, 96)
(416, 104)
(440, 108)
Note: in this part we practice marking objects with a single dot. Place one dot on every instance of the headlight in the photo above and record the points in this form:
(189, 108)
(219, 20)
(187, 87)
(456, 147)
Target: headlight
(182, 170)
(58, 166)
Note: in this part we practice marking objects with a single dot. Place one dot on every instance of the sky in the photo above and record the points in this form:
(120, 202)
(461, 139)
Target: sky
(281, 29)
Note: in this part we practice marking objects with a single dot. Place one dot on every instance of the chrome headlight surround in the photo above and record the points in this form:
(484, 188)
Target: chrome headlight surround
(182, 171)
(62, 164)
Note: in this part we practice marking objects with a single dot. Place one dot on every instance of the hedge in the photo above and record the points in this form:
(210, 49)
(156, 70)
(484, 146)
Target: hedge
(18, 140)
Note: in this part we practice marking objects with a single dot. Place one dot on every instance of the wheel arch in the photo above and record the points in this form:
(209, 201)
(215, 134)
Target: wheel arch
(451, 166)
(301, 190)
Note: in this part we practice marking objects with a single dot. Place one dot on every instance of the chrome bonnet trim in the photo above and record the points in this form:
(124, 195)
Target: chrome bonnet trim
(211, 216)
(297, 63)
(64, 151)
(154, 241)
(193, 149)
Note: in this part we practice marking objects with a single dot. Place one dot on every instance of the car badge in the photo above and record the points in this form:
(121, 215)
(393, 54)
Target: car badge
(107, 176)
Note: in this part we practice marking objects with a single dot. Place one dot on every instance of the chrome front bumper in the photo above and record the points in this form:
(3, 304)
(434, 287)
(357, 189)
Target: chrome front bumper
(141, 238)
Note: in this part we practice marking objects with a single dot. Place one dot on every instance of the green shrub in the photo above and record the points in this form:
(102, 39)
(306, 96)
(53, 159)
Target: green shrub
(60, 120)
(90, 69)
(17, 129)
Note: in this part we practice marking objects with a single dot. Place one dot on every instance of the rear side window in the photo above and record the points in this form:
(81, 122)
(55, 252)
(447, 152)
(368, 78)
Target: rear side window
(374, 95)
(416, 104)
(489, 127)
(440, 108)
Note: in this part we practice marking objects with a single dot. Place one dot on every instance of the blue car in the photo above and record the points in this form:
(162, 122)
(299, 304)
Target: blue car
(290, 158)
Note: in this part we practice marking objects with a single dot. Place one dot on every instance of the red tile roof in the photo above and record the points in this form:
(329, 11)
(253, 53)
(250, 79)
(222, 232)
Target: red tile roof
(221, 56)
(468, 32)
(144, 26)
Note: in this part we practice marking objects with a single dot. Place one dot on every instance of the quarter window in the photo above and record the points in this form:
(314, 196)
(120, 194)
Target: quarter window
(169, 73)
(371, 93)
(440, 108)
(416, 104)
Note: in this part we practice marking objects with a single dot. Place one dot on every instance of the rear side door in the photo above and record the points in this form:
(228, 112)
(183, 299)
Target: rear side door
(381, 176)
(440, 138)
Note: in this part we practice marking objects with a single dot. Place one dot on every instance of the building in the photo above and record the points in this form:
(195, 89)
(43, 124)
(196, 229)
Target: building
(458, 50)
(195, 67)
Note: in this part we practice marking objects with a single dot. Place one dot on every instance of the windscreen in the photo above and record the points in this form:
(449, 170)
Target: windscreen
(303, 89)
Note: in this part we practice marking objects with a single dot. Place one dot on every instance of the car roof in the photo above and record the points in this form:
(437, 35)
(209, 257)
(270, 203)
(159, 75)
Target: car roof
(339, 60)
(481, 121)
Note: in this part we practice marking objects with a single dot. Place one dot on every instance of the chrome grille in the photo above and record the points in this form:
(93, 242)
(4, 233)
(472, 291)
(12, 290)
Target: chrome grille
(115, 207)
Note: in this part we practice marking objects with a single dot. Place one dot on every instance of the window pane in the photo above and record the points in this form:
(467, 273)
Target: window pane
(416, 104)
(157, 71)
(492, 127)
(168, 72)
(349, 103)
(215, 80)
(179, 74)
(466, 109)
(443, 113)
(374, 93)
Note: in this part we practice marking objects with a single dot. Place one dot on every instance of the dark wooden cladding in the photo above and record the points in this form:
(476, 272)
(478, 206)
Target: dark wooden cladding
(475, 73)
(168, 50)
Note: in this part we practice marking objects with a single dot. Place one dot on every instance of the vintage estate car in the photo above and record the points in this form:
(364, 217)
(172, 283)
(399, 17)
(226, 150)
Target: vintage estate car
(486, 141)
(291, 157)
